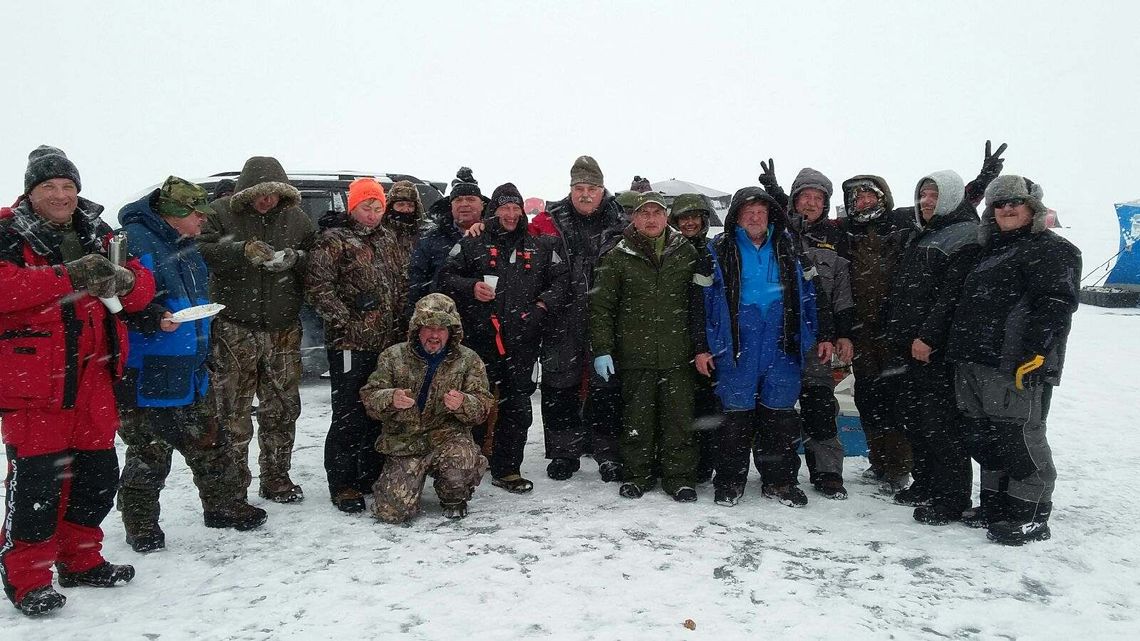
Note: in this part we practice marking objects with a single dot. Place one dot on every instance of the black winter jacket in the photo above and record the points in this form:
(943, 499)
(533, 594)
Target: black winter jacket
(928, 278)
(506, 332)
(1018, 301)
(583, 240)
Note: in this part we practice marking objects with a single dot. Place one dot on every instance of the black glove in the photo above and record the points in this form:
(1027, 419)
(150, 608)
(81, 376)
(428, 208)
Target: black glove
(1029, 372)
(992, 164)
(768, 178)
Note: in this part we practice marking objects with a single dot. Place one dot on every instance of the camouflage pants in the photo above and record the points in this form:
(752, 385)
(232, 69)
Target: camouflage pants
(245, 361)
(457, 466)
(151, 435)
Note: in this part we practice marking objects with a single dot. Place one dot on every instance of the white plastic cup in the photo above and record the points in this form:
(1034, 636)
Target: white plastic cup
(491, 280)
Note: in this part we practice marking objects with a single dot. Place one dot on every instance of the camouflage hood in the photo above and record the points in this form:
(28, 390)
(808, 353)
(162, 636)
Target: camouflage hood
(436, 310)
(691, 204)
(263, 176)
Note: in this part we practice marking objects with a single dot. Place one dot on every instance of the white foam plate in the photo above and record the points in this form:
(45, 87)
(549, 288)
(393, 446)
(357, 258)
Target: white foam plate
(197, 312)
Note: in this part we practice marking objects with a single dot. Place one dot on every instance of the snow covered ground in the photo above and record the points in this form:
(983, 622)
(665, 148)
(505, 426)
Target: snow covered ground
(572, 560)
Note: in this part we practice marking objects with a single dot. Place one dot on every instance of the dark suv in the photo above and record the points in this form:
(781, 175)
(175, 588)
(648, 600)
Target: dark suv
(322, 192)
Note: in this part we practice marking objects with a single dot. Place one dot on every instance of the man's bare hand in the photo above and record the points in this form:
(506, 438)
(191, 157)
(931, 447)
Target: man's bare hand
(453, 400)
(844, 349)
(476, 229)
(705, 364)
(920, 351)
(402, 399)
(166, 324)
(484, 293)
(824, 351)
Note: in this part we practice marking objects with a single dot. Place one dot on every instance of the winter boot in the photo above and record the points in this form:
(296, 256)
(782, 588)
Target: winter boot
(610, 471)
(726, 496)
(937, 513)
(513, 483)
(913, 496)
(630, 491)
(831, 488)
(41, 601)
(561, 469)
(685, 494)
(281, 491)
(348, 500)
(104, 575)
(240, 516)
(872, 474)
(891, 485)
(146, 539)
(990, 510)
(789, 495)
(1024, 522)
(454, 511)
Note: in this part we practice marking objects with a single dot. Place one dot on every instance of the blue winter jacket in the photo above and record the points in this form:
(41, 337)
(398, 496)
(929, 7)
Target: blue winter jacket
(170, 366)
(797, 336)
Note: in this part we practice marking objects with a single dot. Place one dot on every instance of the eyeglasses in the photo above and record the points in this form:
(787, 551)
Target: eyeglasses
(1008, 202)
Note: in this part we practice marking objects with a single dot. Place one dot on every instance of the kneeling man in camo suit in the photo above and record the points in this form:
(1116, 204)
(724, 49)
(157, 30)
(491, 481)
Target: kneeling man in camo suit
(428, 393)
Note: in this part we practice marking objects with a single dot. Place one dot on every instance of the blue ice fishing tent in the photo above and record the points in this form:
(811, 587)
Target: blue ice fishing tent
(1126, 273)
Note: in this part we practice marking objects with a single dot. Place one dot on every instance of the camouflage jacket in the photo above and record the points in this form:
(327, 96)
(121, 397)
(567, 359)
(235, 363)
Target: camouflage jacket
(355, 282)
(411, 432)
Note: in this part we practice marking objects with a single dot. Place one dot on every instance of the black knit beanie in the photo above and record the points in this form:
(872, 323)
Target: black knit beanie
(465, 184)
(503, 194)
(46, 162)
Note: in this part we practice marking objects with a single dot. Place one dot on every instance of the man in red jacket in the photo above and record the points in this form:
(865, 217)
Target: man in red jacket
(60, 350)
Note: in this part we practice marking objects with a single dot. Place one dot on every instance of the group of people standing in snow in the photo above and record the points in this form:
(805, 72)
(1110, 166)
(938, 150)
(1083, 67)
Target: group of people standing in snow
(667, 355)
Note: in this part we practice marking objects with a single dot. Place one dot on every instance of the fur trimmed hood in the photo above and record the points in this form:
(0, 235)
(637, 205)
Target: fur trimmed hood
(263, 176)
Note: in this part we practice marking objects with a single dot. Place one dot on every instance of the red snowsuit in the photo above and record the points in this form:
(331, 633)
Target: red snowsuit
(60, 351)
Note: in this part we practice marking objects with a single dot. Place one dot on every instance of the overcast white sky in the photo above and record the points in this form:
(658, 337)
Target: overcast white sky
(135, 91)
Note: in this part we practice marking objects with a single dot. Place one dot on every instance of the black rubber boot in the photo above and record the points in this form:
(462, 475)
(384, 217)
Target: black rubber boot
(1024, 522)
(104, 575)
(41, 601)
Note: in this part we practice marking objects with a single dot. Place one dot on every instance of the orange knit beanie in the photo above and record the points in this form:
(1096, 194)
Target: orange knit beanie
(363, 189)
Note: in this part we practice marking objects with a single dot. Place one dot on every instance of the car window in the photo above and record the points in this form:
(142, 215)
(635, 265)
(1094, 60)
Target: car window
(316, 203)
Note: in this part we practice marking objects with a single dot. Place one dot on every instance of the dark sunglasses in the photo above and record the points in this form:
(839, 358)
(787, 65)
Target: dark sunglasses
(1008, 202)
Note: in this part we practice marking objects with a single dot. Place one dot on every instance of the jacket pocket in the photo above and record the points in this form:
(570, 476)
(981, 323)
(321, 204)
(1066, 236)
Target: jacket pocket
(166, 378)
(31, 368)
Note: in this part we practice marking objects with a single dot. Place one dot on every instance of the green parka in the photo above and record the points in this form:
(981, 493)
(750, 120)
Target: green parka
(647, 312)
(254, 296)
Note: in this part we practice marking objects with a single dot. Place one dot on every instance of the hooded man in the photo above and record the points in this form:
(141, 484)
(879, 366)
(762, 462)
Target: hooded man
(1007, 342)
(506, 283)
(62, 350)
(427, 394)
(691, 215)
(162, 397)
(355, 283)
(256, 244)
(873, 237)
(925, 290)
(589, 222)
(762, 323)
(447, 221)
(646, 321)
(810, 201)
